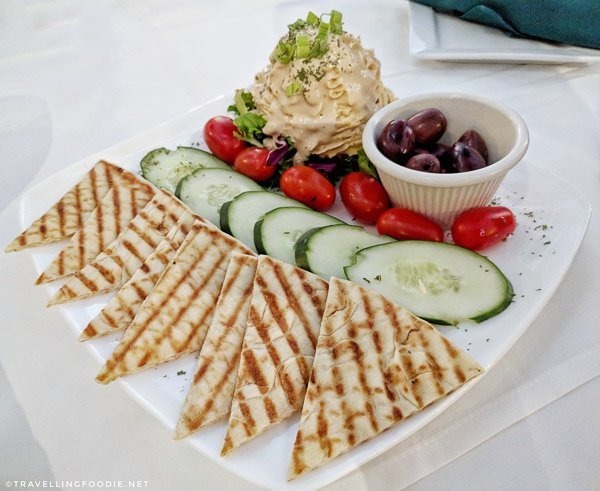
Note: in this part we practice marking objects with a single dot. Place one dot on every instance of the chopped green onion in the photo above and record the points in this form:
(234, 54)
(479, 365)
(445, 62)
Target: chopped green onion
(284, 52)
(335, 19)
(293, 88)
(302, 47)
(312, 19)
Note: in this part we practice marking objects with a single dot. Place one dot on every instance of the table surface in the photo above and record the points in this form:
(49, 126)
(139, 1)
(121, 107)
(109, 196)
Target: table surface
(78, 77)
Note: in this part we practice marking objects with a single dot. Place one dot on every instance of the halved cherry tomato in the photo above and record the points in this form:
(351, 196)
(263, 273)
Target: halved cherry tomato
(252, 162)
(480, 228)
(220, 138)
(363, 196)
(308, 186)
(404, 224)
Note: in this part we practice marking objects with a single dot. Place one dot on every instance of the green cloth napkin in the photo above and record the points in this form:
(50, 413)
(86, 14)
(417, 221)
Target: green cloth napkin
(575, 22)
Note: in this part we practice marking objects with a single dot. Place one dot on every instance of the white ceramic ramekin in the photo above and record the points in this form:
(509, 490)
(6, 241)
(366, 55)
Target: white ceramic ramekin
(442, 197)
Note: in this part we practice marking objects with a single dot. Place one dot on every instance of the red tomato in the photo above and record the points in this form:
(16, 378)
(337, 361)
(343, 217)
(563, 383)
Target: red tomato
(218, 135)
(252, 162)
(403, 224)
(363, 196)
(308, 186)
(479, 228)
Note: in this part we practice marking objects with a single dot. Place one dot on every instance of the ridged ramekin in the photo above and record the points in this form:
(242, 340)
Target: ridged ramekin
(442, 197)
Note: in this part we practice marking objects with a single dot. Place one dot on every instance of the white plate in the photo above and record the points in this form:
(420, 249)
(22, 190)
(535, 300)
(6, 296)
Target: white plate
(435, 36)
(552, 217)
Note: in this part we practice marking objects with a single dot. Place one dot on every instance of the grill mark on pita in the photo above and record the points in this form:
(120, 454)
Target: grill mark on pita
(68, 291)
(284, 379)
(167, 297)
(362, 379)
(206, 362)
(348, 422)
(436, 370)
(89, 284)
(318, 304)
(100, 223)
(78, 206)
(110, 320)
(453, 352)
(117, 209)
(42, 227)
(106, 274)
(270, 409)
(294, 303)
(323, 430)
(297, 461)
(253, 370)
(390, 394)
(142, 234)
(141, 293)
(227, 444)
(80, 228)
(107, 176)
(89, 331)
(133, 202)
(60, 211)
(132, 249)
(248, 423)
(231, 366)
(233, 319)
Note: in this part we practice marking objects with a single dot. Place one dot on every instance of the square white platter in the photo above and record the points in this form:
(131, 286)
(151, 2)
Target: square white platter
(552, 219)
(442, 37)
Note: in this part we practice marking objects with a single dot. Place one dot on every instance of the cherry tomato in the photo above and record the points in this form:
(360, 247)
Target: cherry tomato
(218, 135)
(404, 224)
(252, 162)
(479, 228)
(308, 186)
(363, 196)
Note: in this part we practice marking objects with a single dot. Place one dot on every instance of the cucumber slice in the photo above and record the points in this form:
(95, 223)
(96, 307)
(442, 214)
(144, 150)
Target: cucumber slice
(326, 250)
(277, 232)
(165, 168)
(442, 283)
(239, 216)
(205, 190)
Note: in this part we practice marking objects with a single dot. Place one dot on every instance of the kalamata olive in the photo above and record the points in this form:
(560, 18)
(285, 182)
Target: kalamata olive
(442, 153)
(424, 162)
(476, 141)
(396, 140)
(429, 125)
(466, 158)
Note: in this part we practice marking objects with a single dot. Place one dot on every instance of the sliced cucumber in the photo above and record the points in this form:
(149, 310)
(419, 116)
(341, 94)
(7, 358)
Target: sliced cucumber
(326, 250)
(239, 215)
(205, 190)
(277, 232)
(442, 283)
(165, 168)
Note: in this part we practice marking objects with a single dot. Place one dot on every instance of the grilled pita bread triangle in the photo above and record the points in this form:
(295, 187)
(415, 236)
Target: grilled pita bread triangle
(175, 316)
(211, 392)
(69, 212)
(111, 268)
(128, 194)
(121, 309)
(283, 325)
(375, 365)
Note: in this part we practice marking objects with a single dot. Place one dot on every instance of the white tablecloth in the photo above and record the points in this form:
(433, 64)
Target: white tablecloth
(76, 77)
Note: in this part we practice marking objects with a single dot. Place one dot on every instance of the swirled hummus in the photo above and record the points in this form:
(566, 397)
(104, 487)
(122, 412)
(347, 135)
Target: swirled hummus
(319, 90)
